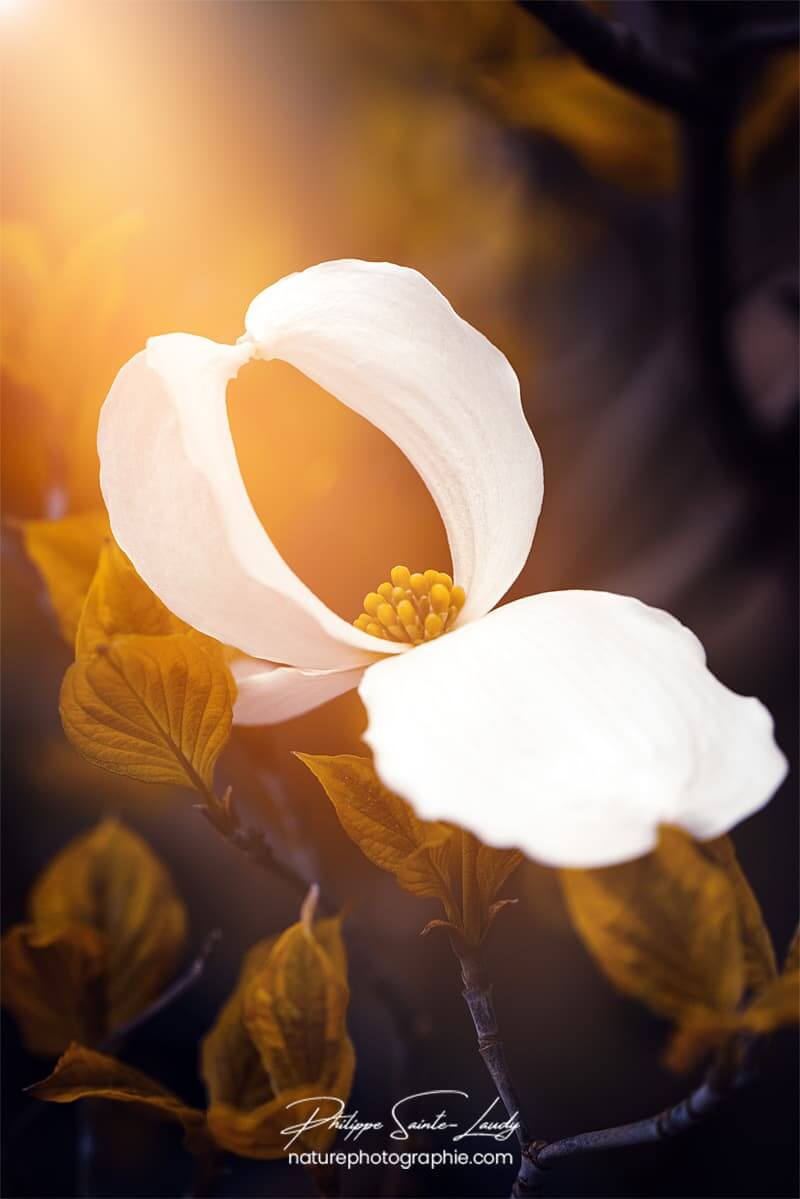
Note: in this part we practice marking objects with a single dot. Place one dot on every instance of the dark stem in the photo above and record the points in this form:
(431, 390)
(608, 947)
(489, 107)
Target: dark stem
(537, 1157)
(478, 998)
(671, 1122)
(616, 53)
(704, 95)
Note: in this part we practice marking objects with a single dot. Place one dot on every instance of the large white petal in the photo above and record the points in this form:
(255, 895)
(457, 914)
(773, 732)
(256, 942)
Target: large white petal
(570, 724)
(268, 694)
(386, 343)
(180, 511)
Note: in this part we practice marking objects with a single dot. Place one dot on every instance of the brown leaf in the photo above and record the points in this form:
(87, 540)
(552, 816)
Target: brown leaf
(384, 827)
(759, 955)
(664, 928)
(52, 983)
(110, 882)
(84, 1074)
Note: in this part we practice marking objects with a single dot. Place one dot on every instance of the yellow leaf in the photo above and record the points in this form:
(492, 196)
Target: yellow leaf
(66, 552)
(777, 1006)
(259, 1133)
(295, 1009)
(700, 1033)
(231, 1064)
(664, 928)
(475, 873)
(428, 858)
(110, 882)
(84, 1074)
(158, 709)
(243, 1114)
(52, 982)
(384, 826)
(118, 601)
(494, 868)
(759, 955)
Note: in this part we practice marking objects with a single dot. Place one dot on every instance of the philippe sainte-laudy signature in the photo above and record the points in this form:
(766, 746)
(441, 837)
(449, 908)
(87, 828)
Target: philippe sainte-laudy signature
(424, 1111)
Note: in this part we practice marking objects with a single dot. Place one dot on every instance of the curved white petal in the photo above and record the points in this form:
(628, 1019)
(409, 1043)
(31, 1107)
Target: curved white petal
(385, 342)
(268, 694)
(570, 724)
(179, 509)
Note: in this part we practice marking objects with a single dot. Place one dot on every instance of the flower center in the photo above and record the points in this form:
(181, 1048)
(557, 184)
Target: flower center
(412, 608)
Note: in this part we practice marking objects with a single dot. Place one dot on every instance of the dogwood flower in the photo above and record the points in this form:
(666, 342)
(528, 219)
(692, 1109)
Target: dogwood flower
(570, 724)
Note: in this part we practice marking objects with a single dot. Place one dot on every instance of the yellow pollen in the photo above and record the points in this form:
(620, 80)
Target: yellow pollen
(412, 607)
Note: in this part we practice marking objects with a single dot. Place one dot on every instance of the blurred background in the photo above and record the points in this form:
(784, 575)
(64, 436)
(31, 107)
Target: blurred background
(162, 163)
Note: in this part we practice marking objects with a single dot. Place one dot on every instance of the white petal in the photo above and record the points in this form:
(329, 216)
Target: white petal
(570, 724)
(180, 511)
(268, 694)
(386, 343)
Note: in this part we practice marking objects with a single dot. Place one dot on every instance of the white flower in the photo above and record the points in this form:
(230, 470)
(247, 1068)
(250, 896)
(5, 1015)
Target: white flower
(570, 724)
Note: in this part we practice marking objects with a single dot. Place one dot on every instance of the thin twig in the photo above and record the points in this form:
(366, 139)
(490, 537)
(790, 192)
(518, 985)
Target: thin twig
(86, 1140)
(615, 52)
(31, 1114)
(167, 997)
(222, 815)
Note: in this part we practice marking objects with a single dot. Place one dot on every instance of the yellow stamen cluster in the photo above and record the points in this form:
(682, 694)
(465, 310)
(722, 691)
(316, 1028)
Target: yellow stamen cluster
(412, 608)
